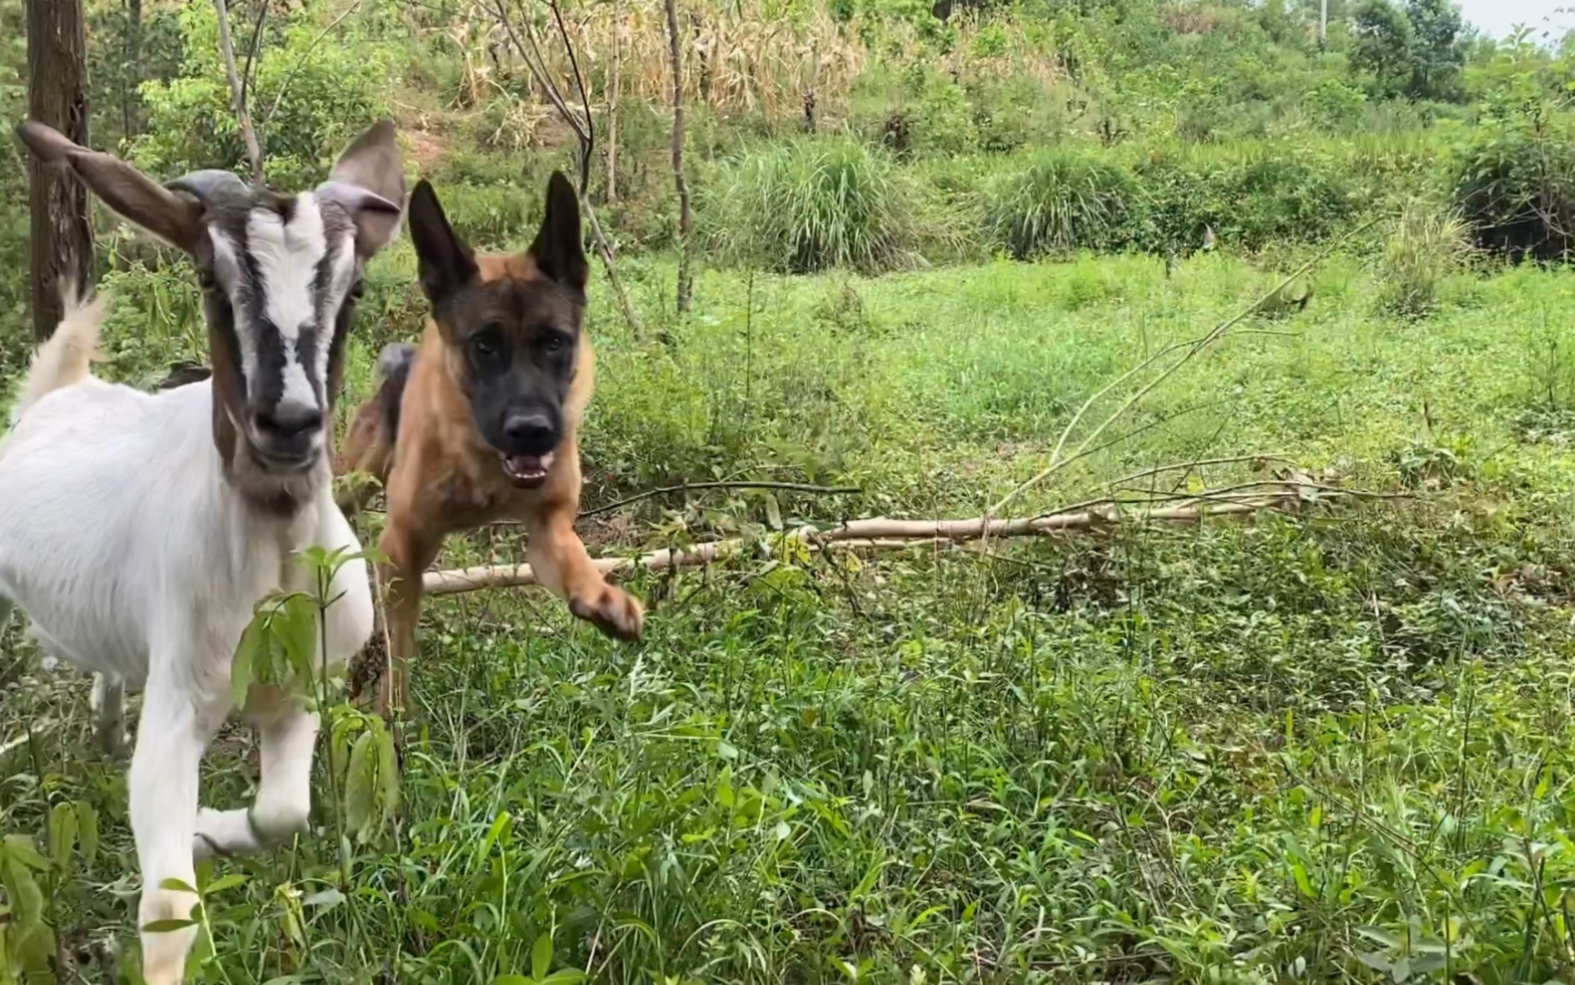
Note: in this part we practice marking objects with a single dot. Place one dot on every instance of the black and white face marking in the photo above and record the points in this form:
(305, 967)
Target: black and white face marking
(284, 269)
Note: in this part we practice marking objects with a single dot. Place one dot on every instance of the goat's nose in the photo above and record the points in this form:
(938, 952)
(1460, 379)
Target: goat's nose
(288, 420)
(531, 431)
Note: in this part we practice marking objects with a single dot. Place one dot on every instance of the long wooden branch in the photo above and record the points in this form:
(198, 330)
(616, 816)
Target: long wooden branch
(884, 534)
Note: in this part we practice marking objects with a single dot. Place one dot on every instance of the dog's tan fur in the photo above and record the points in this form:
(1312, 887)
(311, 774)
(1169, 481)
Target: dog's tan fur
(441, 476)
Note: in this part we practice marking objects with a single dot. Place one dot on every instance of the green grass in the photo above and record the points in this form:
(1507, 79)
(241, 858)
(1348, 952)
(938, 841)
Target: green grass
(1328, 746)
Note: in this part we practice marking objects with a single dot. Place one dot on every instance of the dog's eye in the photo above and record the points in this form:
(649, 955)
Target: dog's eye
(485, 343)
(554, 342)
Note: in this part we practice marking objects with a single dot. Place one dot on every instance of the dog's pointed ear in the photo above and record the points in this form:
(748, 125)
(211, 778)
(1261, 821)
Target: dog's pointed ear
(369, 181)
(445, 262)
(173, 218)
(559, 249)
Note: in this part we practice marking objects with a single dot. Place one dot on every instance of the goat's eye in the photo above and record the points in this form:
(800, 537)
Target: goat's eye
(357, 290)
(206, 280)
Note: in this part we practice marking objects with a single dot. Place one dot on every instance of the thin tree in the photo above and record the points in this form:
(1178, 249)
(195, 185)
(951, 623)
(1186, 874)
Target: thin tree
(57, 94)
(685, 220)
(238, 90)
(131, 69)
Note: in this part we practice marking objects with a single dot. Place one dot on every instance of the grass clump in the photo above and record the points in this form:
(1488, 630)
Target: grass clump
(1425, 245)
(813, 204)
(1065, 199)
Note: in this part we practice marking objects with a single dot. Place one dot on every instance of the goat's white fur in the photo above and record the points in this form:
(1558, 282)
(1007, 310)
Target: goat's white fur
(133, 558)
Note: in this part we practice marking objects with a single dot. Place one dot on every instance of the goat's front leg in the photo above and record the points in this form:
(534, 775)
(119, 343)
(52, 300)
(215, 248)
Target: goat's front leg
(171, 738)
(284, 795)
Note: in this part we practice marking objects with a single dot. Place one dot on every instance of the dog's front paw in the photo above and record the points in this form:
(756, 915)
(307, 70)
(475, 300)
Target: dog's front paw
(612, 610)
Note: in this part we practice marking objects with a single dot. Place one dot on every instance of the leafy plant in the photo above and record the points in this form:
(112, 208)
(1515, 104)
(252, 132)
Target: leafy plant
(1063, 200)
(1425, 245)
(812, 204)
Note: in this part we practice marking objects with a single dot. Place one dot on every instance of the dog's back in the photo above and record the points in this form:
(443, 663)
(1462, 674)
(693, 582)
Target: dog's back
(369, 445)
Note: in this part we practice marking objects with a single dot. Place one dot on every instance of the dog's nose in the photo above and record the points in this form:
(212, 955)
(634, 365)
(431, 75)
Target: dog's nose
(530, 431)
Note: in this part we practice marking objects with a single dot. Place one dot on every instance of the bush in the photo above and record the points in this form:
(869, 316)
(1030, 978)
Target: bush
(1425, 244)
(1065, 199)
(811, 204)
(1514, 181)
(330, 93)
(1251, 195)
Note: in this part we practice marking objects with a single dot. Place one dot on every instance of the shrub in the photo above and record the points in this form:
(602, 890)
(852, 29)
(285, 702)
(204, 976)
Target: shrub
(810, 204)
(1514, 181)
(1425, 244)
(325, 95)
(1065, 199)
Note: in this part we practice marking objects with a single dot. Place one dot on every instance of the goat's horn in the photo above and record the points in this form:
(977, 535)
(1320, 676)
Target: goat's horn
(210, 184)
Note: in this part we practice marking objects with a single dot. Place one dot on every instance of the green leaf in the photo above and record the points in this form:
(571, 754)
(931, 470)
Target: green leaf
(326, 899)
(359, 785)
(541, 956)
(296, 629)
(62, 835)
(177, 886)
(388, 771)
(20, 848)
(167, 926)
(568, 976)
(241, 666)
(512, 980)
(773, 512)
(224, 882)
(87, 830)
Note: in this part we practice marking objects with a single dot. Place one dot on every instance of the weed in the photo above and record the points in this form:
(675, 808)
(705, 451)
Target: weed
(1425, 245)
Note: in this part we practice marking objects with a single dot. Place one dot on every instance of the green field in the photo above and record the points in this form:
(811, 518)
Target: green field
(1303, 747)
(1328, 741)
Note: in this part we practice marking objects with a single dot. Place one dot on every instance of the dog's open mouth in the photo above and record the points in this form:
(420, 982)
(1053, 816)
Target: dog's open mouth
(527, 471)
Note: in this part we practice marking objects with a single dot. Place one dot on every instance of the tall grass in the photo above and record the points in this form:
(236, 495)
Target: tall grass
(1425, 245)
(810, 204)
(1065, 199)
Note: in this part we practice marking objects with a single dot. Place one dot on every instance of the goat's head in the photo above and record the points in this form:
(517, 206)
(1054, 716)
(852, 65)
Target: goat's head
(280, 276)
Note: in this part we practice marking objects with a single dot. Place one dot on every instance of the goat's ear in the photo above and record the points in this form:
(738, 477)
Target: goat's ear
(175, 219)
(445, 262)
(559, 250)
(369, 181)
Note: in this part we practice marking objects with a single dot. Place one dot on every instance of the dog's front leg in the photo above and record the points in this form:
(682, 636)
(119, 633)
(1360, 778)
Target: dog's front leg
(408, 555)
(557, 556)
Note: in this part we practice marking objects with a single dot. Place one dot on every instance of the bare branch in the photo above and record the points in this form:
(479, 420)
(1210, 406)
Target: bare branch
(884, 534)
(238, 93)
(688, 486)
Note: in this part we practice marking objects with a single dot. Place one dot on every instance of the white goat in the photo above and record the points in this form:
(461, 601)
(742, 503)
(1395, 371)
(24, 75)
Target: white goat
(138, 531)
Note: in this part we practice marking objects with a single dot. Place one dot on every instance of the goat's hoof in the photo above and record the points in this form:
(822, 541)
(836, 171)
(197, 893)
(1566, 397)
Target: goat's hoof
(611, 610)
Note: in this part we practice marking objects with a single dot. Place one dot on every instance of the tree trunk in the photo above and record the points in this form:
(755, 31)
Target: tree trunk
(131, 70)
(57, 94)
(685, 221)
(612, 108)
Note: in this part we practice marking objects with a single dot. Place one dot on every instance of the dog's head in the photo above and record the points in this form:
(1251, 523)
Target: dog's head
(512, 325)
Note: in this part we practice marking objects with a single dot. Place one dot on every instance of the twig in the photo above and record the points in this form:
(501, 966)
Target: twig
(687, 486)
(584, 131)
(253, 50)
(875, 534)
(1189, 350)
(301, 61)
(238, 93)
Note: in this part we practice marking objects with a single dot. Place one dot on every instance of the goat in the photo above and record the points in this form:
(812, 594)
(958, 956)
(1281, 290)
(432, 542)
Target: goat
(139, 531)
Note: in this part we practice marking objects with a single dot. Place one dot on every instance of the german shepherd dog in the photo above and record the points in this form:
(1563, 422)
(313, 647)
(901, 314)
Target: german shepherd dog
(479, 422)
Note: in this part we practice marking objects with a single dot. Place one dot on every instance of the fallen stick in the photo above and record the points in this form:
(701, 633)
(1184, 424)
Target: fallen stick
(880, 535)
